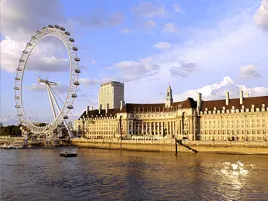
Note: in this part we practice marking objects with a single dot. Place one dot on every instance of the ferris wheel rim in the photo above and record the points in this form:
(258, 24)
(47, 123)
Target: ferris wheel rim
(64, 36)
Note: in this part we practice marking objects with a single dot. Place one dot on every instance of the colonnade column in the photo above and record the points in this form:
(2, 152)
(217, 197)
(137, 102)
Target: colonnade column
(158, 128)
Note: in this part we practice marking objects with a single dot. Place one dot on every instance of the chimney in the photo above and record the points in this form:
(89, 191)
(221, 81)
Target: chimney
(121, 104)
(241, 97)
(107, 107)
(227, 98)
(87, 111)
(199, 100)
(246, 95)
(100, 108)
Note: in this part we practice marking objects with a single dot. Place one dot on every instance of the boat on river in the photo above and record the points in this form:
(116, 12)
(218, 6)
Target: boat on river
(68, 154)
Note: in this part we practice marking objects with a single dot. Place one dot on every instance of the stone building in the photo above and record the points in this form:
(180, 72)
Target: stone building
(237, 119)
(240, 119)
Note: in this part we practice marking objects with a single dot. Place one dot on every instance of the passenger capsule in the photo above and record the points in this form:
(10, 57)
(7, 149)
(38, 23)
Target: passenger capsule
(44, 28)
(19, 69)
(71, 39)
(50, 26)
(33, 37)
(25, 52)
(77, 70)
(29, 44)
(17, 106)
(16, 88)
(76, 83)
(75, 48)
(62, 28)
(67, 33)
(21, 60)
(17, 97)
(65, 117)
(74, 95)
(76, 59)
(17, 78)
(70, 107)
(19, 115)
(56, 26)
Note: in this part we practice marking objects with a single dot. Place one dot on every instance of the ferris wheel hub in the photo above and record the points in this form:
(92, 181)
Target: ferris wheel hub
(47, 82)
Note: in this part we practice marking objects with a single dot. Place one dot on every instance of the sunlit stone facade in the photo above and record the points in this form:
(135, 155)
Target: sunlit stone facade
(240, 119)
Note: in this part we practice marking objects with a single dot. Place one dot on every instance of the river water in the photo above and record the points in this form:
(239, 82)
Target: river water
(95, 174)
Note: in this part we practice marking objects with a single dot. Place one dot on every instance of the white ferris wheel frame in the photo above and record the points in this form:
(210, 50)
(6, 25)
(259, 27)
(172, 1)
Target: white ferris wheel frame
(64, 36)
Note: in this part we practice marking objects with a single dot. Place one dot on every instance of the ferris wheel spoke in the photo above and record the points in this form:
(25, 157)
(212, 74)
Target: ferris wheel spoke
(51, 102)
(62, 102)
(59, 110)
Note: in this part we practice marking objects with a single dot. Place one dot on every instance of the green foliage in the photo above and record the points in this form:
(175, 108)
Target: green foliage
(12, 130)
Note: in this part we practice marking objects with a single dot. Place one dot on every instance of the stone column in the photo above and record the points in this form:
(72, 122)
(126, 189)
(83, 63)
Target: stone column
(146, 128)
(142, 128)
(134, 127)
(162, 129)
(158, 128)
(150, 128)
(174, 128)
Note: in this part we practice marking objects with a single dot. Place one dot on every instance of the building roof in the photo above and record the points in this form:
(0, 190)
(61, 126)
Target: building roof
(157, 107)
(111, 82)
(247, 102)
(95, 113)
(136, 107)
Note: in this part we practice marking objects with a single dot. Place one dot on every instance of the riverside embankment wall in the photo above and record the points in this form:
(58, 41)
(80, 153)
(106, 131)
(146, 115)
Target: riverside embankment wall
(169, 146)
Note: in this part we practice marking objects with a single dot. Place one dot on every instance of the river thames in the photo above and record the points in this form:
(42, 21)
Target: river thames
(96, 174)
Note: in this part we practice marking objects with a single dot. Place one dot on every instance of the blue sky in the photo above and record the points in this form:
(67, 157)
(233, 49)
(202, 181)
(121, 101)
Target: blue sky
(207, 46)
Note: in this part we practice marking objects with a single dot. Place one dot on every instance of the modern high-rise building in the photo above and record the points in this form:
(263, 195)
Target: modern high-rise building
(110, 95)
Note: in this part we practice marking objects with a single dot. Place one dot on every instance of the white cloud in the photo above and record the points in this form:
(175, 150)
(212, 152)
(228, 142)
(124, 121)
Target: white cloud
(261, 16)
(182, 69)
(89, 82)
(163, 45)
(148, 24)
(126, 31)
(102, 21)
(170, 28)
(217, 91)
(149, 10)
(249, 71)
(41, 58)
(40, 87)
(19, 19)
(176, 8)
(131, 70)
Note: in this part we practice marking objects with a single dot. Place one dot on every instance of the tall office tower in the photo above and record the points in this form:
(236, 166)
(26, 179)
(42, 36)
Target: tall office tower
(111, 94)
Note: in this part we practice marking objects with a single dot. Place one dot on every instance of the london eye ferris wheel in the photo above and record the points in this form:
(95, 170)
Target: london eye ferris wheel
(60, 107)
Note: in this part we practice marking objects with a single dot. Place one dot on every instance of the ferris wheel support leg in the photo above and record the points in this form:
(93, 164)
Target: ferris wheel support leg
(58, 108)
(51, 102)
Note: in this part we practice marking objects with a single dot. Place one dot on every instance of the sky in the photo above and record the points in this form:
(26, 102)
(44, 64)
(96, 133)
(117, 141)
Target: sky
(198, 46)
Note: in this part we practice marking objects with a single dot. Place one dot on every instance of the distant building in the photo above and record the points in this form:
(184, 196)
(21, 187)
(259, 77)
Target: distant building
(240, 119)
(110, 95)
